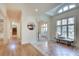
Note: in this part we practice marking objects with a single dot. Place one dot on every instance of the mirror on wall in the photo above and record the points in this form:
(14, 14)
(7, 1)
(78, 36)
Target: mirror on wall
(31, 26)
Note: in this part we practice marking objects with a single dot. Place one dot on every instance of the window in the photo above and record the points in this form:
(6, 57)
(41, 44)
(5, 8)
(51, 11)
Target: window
(60, 11)
(72, 6)
(64, 21)
(59, 27)
(71, 20)
(64, 31)
(66, 8)
(59, 22)
(71, 31)
(58, 30)
(71, 28)
(65, 28)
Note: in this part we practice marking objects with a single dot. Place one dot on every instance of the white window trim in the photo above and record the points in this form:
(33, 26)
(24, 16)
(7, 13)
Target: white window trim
(66, 10)
(74, 26)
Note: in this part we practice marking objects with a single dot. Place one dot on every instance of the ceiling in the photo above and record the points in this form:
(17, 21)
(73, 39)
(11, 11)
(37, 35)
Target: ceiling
(30, 7)
(42, 7)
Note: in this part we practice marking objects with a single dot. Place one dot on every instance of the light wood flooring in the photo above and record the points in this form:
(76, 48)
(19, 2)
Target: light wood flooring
(51, 48)
(15, 48)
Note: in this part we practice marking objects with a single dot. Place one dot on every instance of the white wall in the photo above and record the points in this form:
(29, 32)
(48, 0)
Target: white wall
(2, 33)
(1, 17)
(27, 35)
(75, 13)
(5, 34)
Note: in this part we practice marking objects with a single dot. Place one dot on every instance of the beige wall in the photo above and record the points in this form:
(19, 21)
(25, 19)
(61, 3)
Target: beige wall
(75, 13)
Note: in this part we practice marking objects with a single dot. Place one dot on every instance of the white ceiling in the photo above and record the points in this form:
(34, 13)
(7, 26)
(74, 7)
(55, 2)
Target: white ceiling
(42, 7)
(30, 7)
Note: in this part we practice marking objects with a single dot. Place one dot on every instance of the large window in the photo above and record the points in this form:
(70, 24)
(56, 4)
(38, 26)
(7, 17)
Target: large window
(60, 11)
(66, 8)
(59, 27)
(72, 6)
(65, 28)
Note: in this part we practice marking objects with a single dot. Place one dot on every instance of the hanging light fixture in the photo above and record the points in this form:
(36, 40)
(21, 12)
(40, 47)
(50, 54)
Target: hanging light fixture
(36, 10)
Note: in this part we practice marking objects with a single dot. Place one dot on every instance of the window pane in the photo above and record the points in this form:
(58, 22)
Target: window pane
(58, 30)
(72, 6)
(60, 11)
(64, 22)
(65, 8)
(71, 31)
(64, 31)
(59, 22)
(71, 20)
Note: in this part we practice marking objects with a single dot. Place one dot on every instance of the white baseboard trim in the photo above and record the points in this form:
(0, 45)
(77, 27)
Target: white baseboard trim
(24, 42)
(45, 54)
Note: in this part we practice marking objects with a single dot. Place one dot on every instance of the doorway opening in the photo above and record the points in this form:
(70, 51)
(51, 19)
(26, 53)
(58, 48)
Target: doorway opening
(43, 35)
(14, 32)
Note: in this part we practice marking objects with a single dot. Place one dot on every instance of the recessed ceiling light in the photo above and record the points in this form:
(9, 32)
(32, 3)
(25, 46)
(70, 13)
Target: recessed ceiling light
(36, 10)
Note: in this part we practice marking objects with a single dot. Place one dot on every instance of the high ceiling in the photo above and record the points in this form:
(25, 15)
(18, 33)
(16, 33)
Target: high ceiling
(30, 7)
(42, 7)
(14, 8)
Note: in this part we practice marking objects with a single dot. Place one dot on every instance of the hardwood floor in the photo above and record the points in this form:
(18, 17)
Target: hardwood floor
(51, 48)
(14, 48)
